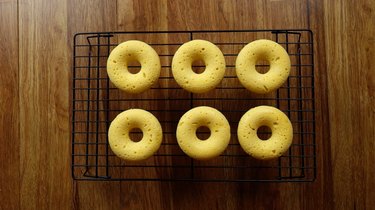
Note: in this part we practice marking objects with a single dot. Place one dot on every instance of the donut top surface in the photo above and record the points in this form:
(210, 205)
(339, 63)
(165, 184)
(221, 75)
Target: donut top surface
(118, 62)
(276, 120)
(211, 118)
(121, 143)
(196, 50)
(265, 50)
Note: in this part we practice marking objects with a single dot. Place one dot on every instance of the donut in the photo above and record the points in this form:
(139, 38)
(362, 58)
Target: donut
(267, 50)
(119, 139)
(117, 66)
(197, 50)
(211, 118)
(277, 121)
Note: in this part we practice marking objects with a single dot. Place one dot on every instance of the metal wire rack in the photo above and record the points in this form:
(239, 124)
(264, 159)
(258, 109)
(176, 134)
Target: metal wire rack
(96, 101)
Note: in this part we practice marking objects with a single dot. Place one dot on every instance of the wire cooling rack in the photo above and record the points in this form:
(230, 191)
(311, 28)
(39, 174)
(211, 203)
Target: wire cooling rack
(96, 102)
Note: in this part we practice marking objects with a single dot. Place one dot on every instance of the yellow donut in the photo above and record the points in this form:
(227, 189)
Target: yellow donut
(277, 144)
(193, 51)
(123, 146)
(117, 66)
(210, 118)
(267, 50)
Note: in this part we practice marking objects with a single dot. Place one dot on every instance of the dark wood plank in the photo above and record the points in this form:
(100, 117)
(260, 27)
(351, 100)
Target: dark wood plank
(142, 15)
(349, 41)
(91, 16)
(9, 104)
(324, 173)
(45, 180)
(227, 14)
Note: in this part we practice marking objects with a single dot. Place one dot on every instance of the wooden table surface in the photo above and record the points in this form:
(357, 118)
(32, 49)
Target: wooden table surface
(36, 61)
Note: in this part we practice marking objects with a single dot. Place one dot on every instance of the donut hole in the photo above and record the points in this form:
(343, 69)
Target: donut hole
(136, 134)
(134, 67)
(262, 66)
(198, 66)
(264, 133)
(203, 133)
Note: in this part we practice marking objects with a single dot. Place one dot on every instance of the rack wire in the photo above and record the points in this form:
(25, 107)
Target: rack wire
(96, 102)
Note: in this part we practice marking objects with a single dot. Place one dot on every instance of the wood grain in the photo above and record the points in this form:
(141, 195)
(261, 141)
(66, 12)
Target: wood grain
(35, 60)
(316, 10)
(9, 107)
(240, 14)
(349, 39)
(45, 181)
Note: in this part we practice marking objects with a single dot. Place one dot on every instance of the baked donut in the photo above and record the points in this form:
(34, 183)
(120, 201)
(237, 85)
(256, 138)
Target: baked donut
(213, 120)
(267, 50)
(119, 139)
(117, 66)
(276, 120)
(197, 50)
